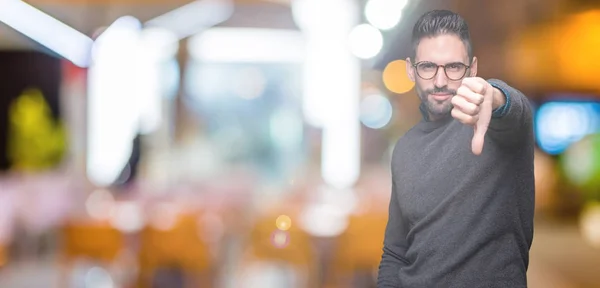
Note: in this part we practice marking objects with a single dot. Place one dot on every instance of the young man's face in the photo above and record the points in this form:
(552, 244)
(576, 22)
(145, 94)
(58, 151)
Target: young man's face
(435, 86)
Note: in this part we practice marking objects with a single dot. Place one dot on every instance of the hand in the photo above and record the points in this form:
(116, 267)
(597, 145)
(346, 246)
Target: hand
(473, 105)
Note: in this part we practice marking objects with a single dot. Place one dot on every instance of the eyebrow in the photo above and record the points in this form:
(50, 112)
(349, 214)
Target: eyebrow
(451, 62)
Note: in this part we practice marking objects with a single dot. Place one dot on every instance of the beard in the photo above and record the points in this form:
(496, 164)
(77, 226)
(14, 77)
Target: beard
(436, 109)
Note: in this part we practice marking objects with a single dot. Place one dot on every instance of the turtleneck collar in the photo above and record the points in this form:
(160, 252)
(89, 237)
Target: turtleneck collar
(428, 124)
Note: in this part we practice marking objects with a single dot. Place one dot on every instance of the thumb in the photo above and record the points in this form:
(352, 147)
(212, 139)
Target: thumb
(485, 116)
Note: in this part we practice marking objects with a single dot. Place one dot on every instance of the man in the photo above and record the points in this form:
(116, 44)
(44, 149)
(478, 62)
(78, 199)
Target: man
(462, 204)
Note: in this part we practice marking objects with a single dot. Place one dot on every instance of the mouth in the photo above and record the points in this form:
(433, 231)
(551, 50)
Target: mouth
(441, 96)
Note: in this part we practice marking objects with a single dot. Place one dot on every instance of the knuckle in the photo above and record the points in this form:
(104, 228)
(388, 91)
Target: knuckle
(455, 100)
(480, 86)
(479, 99)
(473, 110)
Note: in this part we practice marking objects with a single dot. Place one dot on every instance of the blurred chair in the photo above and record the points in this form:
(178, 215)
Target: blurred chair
(96, 241)
(177, 248)
(358, 251)
(292, 249)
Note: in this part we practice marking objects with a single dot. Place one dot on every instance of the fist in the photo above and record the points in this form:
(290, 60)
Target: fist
(473, 106)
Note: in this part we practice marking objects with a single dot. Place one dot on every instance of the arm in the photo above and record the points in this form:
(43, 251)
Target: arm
(394, 246)
(512, 118)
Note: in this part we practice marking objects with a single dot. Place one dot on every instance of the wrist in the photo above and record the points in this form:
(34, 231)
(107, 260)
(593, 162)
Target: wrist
(498, 98)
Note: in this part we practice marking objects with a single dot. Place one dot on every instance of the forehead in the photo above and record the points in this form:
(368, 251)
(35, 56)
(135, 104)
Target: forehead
(441, 49)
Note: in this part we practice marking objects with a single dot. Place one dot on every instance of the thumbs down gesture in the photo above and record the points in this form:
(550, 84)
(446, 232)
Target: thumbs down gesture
(473, 106)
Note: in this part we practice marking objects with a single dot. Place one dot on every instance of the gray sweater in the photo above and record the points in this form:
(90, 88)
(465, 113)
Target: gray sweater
(457, 219)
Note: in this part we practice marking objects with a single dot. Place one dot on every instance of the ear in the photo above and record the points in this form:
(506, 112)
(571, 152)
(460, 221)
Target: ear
(473, 67)
(409, 70)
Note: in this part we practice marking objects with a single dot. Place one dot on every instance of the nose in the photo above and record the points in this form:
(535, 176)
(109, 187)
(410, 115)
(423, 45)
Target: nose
(440, 79)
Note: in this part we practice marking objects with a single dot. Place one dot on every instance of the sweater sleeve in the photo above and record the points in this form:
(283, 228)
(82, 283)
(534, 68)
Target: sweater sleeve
(394, 246)
(512, 122)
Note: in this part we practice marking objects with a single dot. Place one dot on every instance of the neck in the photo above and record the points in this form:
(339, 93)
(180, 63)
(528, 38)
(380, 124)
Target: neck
(433, 117)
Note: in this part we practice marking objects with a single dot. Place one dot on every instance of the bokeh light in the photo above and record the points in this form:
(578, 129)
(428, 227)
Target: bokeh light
(395, 77)
(590, 224)
(365, 41)
(559, 124)
(127, 217)
(165, 216)
(581, 163)
(98, 277)
(283, 222)
(280, 239)
(100, 204)
(384, 14)
(375, 111)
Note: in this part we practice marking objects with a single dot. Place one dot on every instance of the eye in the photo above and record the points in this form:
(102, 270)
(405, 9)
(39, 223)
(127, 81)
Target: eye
(454, 66)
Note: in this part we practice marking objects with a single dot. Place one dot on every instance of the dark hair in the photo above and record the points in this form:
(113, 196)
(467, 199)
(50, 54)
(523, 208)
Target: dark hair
(439, 22)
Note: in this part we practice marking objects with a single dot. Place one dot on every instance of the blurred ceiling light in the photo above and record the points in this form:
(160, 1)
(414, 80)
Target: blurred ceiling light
(157, 47)
(114, 110)
(124, 28)
(194, 17)
(331, 88)
(323, 17)
(159, 43)
(46, 30)
(384, 14)
(365, 41)
(247, 45)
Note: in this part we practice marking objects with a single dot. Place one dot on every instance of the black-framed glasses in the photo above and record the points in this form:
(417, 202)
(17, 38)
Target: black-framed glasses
(428, 70)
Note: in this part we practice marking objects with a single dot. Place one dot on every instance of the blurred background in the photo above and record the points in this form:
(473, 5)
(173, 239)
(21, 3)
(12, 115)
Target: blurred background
(246, 143)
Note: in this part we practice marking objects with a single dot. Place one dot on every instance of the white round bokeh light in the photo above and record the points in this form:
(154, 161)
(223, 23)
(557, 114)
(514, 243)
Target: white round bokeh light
(384, 14)
(365, 41)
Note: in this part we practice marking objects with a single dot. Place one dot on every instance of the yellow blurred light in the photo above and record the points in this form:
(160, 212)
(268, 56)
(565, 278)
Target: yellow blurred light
(395, 77)
(590, 224)
(577, 50)
(562, 55)
(283, 222)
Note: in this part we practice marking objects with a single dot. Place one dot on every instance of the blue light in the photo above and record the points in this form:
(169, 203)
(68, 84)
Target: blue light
(559, 124)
